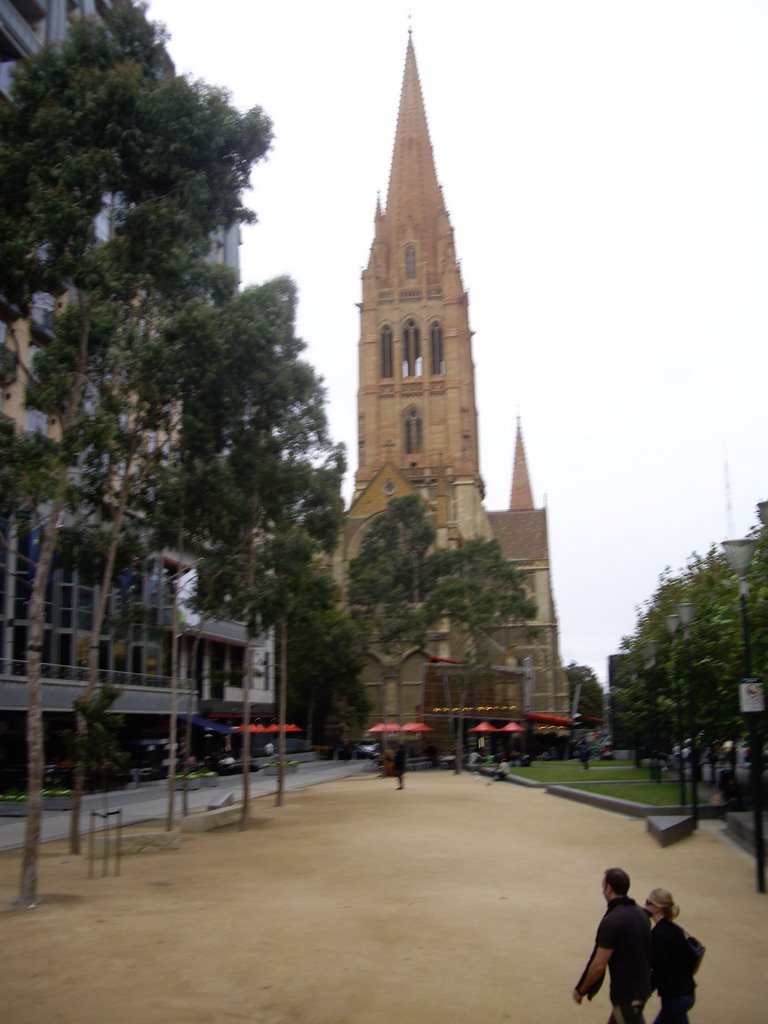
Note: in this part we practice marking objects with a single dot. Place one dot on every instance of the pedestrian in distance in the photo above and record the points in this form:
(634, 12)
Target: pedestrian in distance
(400, 765)
(672, 961)
(623, 947)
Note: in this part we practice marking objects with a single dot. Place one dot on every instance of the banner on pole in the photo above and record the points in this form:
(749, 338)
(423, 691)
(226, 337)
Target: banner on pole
(751, 696)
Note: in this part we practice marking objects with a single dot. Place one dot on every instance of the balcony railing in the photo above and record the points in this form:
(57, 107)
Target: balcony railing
(21, 35)
(17, 669)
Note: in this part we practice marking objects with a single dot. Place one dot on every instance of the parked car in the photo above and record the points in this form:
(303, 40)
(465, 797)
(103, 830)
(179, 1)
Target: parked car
(363, 750)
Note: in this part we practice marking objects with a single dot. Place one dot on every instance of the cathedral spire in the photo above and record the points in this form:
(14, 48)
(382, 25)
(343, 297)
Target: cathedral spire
(522, 498)
(414, 200)
(416, 395)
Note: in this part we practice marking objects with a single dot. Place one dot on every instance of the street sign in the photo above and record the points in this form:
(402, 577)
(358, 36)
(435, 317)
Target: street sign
(751, 696)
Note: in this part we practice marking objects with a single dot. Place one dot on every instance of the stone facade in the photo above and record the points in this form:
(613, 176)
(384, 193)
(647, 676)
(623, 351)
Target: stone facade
(417, 418)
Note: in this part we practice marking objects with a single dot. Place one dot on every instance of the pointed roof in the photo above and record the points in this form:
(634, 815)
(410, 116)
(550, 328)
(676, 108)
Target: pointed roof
(413, 187)
(522, 497)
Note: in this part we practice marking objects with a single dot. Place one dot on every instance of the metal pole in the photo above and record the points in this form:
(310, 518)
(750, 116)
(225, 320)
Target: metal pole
(755, 756)
(683, 792)
(694, 757)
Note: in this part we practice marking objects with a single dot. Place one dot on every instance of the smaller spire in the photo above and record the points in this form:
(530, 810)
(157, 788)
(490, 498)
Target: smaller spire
(522, 497)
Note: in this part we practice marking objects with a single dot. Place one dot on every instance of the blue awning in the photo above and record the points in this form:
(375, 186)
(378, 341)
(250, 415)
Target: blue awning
(206, 723)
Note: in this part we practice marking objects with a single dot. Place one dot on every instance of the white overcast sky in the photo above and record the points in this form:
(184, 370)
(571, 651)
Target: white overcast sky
(605, 166)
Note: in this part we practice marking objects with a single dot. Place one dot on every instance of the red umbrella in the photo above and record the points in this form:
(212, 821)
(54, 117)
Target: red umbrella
(251, 728)
(384, 727)
(290, 727)
(416, 727)
(512, 727)
(484, 727)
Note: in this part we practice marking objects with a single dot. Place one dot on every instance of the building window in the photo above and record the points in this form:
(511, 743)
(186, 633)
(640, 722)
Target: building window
(410, 262)
(386, 352)
(412, 362)
(436, 350)
(413, 432)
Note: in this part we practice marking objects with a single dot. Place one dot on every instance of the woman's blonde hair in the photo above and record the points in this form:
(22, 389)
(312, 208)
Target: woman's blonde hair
(663, 900)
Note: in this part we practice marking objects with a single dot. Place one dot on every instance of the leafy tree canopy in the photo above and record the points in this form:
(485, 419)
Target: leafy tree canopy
(655, 689)
(591, 694)
(387, 580)
(100, 127)
(478, 590)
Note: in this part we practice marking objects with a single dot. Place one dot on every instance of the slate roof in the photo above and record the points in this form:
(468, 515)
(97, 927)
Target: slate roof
(522, 535)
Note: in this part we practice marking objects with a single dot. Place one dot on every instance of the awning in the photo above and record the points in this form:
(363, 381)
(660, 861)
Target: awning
(561, 720)
(206, 723)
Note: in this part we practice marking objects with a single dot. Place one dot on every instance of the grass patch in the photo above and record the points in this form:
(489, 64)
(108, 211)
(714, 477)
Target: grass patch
(564, 771)
(658, 794)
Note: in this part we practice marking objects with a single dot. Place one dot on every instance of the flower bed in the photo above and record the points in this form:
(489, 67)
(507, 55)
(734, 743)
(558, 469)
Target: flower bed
(13, 804)
(197, 780)
(274, 768)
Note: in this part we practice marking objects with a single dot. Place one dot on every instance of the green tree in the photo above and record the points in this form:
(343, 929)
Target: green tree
(387, 585)
(277, 479)
(478, 592)
(326, 653)
(717, 649)
(97, 746)
(590, 694)
(99, 128)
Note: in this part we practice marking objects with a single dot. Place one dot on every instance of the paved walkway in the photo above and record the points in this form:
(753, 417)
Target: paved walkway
(149, 802)
(456, 899)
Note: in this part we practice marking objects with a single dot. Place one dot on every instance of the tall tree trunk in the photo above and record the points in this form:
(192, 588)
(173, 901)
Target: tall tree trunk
(310, 734)
(247, 680)
(281, 713)
(93, 644)
(187, 750)
(28, 896)
(173, 732)
(247, 683)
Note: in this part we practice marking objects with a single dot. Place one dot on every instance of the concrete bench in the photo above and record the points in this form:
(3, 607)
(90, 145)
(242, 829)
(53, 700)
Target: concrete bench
(221, 800)
(669, 828)
(207, 820)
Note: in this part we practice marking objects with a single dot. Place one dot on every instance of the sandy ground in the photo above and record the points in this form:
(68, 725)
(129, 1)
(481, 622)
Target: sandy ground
(455, 900)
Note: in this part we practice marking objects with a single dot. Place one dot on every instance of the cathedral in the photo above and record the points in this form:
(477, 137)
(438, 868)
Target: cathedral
(418, 426)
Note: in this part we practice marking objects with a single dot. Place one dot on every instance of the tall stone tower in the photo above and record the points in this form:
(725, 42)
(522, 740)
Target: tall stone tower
(417, 418)
(416, 397)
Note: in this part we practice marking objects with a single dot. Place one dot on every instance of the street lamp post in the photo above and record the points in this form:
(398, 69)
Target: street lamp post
(673, 622)
(685, 615)
(651, 650)
(739, 554)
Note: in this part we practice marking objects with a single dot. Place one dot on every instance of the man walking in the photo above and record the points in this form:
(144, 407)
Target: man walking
(400, 765)
(623, 945)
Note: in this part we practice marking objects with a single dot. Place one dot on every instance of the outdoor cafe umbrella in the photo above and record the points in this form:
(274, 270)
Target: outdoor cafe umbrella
(512, 727)
(416, 727)
(251, 728)
(484, 727)
(384, 727)
(289, 727)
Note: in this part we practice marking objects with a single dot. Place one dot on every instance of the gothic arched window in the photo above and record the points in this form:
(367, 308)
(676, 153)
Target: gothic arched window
(412, 363)
(410, 262)
(386, 351)
(437, 354)
(413, 432)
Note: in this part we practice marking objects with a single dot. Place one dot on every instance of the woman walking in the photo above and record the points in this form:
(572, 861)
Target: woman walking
(671, 960)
